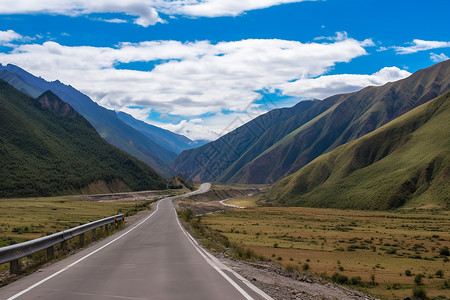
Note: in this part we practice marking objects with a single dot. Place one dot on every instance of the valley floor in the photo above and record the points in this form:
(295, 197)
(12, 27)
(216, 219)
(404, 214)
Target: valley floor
(387, 250)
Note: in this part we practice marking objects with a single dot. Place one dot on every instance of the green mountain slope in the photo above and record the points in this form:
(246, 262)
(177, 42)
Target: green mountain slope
(271, 136)
(353, 116)
(404, 163)
(216, 158)
(105, 121)
(47, 148)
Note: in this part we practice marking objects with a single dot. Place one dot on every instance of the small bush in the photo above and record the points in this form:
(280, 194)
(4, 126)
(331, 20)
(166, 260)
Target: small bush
(419, 293)
(440, 273)
(408, 273)
(305, 267)
(339, 278)
(418, 279)
(391, 251)
(444, 251)
(291, 268)
(355, 280)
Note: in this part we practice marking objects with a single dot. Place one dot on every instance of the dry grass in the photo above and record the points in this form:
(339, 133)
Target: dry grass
(248, 202)
(353, 243)
(30, 218)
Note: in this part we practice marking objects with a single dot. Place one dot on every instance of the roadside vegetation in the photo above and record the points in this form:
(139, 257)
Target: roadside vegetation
(30, 218)
(389, 255)
(214, 240)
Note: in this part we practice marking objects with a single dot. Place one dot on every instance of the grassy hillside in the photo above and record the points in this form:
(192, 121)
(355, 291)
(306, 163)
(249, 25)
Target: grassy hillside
(404, 163)
(46, 148)
(354, 115)
(212, 160)
(105, 121)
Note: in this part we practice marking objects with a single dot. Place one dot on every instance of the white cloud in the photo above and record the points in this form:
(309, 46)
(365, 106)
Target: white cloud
(146, 12)
(329, 85)
(114, 20)
(198, 79)
(9, 36)
(143, 10)
(340, 36)
(421, 45)
(438, 57)
(216, 8)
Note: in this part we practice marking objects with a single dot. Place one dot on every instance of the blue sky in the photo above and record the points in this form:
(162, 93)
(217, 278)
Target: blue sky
(203, 67)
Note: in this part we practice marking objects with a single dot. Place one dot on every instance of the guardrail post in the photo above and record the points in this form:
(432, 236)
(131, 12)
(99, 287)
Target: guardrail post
(64, 246)
(14, 266)
(50, 253)
(82, 239)
(94, 233)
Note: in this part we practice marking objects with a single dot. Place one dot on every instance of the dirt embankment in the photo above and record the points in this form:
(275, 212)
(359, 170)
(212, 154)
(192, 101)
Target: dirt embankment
(102, 187)
(209, 202)
(217, 195)
(134, 196)
(273, 279)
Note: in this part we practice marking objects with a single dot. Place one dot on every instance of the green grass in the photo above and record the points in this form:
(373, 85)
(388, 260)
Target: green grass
(43, 153)
(405, 163)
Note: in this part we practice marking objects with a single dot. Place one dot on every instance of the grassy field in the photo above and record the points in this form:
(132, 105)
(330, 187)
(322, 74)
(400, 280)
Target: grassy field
(372, 245)
(30, 218)
(243, 202)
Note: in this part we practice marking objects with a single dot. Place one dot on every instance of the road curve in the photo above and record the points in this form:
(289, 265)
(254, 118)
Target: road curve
(154, 259)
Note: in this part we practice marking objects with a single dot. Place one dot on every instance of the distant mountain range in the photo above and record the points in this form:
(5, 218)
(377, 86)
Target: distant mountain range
(174, 142)
(404, 163)
(154, 146)
(47, 149)
(286, 140)
(209, 162)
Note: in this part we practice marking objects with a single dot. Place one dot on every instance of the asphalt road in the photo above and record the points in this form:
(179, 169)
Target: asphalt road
(153, 259)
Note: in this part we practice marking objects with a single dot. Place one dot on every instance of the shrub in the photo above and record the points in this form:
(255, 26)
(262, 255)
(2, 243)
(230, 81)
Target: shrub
(419, 293)
(355, 280)
(291, 268)
(339, 278)
(391, 251)
(418, 279)
(408, 273)
(305, 267)
(444, 251)
(440, 273)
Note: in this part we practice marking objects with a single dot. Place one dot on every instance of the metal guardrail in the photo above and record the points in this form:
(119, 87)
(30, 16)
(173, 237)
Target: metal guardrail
(14, 252)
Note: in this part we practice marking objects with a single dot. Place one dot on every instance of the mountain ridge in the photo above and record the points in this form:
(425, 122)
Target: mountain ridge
(355, 115)
(405, 163)
(47, 149)
(105, 121)
(207, 163)
(284, 147)
(172, 141)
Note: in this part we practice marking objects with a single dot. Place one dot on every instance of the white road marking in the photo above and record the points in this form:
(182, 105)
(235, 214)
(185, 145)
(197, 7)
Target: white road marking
(218, 266)
(230, 205)
(81, 259)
